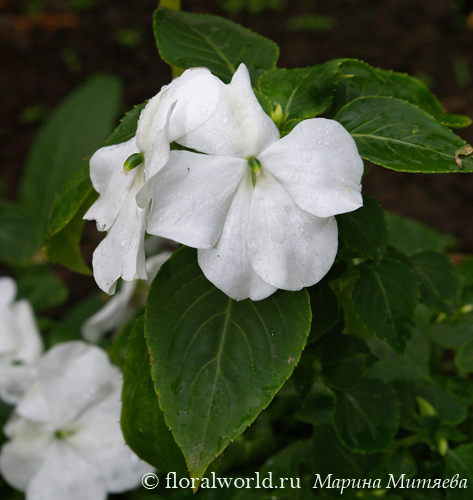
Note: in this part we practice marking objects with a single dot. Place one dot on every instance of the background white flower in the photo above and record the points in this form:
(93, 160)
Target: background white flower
(65, 437)
(118, 309)
(175, 111)
(259, 209)
(21, 344)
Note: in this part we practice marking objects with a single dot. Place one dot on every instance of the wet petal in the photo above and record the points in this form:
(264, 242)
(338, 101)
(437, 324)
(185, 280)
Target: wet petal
(319, 166)
(228, 266)
(109, 180)
(239, 127)
(121, 253)
(191, 197)
(288, 248)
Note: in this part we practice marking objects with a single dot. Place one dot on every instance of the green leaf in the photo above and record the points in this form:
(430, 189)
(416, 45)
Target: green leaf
(364, 230)
(302, 93)
(385, 297)
(410, 236)
(367, 416)
(62, 241)
(188, 40)
(217, 363)
(329, 456)
(343, 359)
(464, 358)
(465, 271)
(142, 420)
(398, 135)
(412, 365)
(325, 310)
(460, 461)
(439, 282)
(63, 236)
(41, 287)
(18, 234)
(358, 79)
(74, 131)
(451, 334)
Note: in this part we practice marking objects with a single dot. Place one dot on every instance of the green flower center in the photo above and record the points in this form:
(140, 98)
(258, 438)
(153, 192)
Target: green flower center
(255, 166)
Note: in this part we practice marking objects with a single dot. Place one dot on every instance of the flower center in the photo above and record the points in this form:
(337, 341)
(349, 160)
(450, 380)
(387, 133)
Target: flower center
(64, 433)
(255, 166)
(133, 161)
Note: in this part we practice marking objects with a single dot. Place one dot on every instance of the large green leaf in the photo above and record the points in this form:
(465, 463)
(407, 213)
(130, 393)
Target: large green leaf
(66, 222)
(216, 362)
(142, 419)
(385, 297)
(464, 357)
(18, 234)
(398, 135)
(325, 310)
(460, 461)
(439, 282)
(74, 131)
(301, 93)
(367, 416)
(364, 230)
(358, 79)
(187, 40)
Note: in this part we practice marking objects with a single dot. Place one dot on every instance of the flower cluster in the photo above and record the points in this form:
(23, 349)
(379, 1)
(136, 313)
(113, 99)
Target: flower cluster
(259, 208)
(64, 435)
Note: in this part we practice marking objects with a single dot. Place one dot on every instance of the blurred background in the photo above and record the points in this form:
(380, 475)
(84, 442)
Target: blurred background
(50, 47)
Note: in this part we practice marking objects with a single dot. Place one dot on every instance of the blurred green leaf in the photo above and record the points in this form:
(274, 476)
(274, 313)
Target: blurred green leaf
(77, 127)
(367, 416)
(460, 461)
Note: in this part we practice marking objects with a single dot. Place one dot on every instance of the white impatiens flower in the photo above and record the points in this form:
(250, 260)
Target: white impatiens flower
(260, 209)
(21, 344)
(118, 309)
(65, 441)
(178, 109)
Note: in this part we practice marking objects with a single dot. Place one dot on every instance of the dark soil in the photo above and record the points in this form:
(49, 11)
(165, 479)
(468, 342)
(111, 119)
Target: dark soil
(421, 37)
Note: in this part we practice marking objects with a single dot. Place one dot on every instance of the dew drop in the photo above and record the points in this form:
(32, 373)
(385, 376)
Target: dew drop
(122, 243)
(225, 120)
(253, 367)
(176, 386)
(203, 110)
(271, 332)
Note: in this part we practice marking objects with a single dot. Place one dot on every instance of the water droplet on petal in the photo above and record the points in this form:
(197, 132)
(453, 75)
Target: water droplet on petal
(225, 120)
(203, 110)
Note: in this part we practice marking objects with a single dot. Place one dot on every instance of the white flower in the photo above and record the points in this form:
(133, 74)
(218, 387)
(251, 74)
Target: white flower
(65, 437)
(117, 310)
(178, 109)
(259, 208)
(20, 343)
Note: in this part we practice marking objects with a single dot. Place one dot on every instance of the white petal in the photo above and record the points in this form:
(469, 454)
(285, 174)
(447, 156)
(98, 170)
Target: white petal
(29, 341)
(99, 441)
(72, 377)
(121, 253)
(111, 316)
(288, 247)
(154, 263)
(191, 197)
(319, 165)
(66, 476)
(21, 458)
(239, 127)
(195, 94)
(15, 380)
(228, 266)
(109, 180)
(7, 291)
